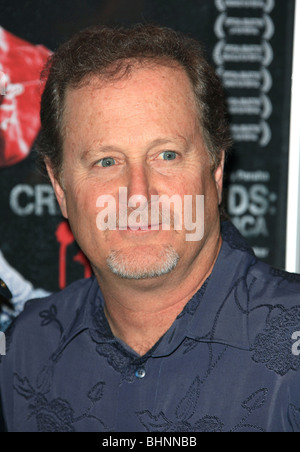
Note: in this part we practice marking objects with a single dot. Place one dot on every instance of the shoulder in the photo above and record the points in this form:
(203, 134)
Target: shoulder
(37, 339)
(268, 299)
(58, 312)
(274, 318)
(273, 300)
(274, 284)
(269, 282)
(257, 286)
(68, 300)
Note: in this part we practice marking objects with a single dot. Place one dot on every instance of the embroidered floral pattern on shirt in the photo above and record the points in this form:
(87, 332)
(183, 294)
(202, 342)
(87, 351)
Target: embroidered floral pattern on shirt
(191, 307)
(50, 316)
(294, 417)
(55, 415)
(290, 277)
(234, 239)
(273, 347)
(122, 362)
(187, 408)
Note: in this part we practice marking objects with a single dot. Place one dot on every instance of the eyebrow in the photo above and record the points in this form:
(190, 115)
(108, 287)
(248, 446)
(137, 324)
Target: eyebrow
(109, 148)
(97, 150)
(161, 141)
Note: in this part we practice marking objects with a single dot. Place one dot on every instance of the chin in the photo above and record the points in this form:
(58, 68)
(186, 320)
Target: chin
(142, 263)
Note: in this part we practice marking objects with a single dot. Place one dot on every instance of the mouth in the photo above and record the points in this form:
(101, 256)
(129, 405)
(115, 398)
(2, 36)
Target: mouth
(142, 228)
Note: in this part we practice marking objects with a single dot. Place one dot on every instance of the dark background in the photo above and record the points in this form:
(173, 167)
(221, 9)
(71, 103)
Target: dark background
(257, 201)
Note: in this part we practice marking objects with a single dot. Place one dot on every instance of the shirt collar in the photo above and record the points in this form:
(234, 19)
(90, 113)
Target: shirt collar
(222, 316)
(216, 313)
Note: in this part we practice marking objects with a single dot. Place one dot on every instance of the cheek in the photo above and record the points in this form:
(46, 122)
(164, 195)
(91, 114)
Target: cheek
(81, 206)
(191, 184)
(203, 184)
(211, 203)
(82, 193)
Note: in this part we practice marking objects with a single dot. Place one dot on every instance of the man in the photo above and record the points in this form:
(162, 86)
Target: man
(175, 332)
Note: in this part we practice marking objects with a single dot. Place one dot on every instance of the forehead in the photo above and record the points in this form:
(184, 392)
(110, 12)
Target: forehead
(140, 80)
(155, 97)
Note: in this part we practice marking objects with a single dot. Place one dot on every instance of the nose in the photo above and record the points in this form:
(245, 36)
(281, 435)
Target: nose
(140, 183)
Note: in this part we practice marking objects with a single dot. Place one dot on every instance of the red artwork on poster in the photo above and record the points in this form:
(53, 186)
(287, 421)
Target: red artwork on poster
(20, 66)
(65, 238)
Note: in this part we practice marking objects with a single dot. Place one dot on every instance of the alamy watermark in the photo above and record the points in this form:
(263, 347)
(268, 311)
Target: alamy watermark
(3, 83)
(2, 344)
(296, 345)
(161, 213)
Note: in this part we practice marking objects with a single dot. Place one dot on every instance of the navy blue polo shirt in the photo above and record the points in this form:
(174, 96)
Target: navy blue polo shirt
(229, 363)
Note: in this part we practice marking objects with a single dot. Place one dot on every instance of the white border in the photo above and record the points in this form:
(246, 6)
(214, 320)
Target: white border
(293, 207)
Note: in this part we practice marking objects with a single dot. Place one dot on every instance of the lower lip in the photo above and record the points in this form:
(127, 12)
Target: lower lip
(153, 228)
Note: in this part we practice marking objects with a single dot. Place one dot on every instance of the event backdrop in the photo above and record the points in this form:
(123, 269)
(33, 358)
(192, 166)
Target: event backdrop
(250, 44)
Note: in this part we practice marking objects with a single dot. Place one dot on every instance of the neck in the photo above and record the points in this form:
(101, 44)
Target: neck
(140, 312)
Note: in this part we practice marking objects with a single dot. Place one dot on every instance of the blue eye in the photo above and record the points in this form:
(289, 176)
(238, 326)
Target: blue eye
(107, 162)
(169, 155)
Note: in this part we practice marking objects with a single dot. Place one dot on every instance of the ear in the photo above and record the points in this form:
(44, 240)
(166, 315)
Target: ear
(218, 175)
(58, 190)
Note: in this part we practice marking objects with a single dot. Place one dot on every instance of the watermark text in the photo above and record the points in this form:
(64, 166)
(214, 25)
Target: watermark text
(163, 212)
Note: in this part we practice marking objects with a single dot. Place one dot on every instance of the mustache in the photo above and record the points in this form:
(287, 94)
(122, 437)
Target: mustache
(147, 215)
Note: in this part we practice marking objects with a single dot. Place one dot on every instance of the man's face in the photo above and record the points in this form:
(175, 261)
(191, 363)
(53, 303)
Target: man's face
(140, 133)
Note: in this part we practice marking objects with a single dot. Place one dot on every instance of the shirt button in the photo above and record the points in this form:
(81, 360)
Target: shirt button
(140, 373)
